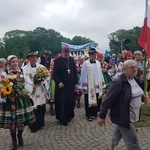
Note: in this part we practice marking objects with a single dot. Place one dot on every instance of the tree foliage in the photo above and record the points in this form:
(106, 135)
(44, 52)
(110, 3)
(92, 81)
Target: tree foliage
(78, 40)
(20, 42)
(118, 38)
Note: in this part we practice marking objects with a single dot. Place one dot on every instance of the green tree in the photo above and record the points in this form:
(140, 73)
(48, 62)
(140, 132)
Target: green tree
(46, 40)
(78, 40)
(20, 42)
(2, 48)
(16, 42)
(118, 38)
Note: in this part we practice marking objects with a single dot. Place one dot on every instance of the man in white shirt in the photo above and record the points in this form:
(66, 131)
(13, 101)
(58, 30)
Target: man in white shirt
(92, 84)
(38, 96)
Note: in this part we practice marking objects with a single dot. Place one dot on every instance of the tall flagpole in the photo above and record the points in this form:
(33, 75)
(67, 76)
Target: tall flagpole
(144, 41)
(144, 73)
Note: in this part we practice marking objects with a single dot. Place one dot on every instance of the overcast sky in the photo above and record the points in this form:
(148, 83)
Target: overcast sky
(94, 19)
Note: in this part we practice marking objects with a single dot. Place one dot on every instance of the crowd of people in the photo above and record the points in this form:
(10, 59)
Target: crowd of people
(61, 81)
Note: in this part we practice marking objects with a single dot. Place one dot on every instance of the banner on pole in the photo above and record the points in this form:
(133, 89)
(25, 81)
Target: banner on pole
(78, 47)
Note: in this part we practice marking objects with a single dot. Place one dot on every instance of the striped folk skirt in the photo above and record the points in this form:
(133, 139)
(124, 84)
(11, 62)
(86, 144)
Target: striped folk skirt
(16, 114)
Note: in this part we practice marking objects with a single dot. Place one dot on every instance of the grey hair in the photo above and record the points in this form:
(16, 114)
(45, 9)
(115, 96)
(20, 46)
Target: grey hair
(137, 52)
(126, 63)
(3, 60)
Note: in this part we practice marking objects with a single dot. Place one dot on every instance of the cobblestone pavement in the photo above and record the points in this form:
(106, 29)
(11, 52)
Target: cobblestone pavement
(78, 135)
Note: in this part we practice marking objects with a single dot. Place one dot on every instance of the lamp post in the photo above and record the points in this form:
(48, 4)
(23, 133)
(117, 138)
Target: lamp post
(121, 45)
(122, 42)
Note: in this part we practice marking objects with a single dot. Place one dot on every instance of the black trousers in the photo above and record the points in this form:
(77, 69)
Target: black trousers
(39, 116)
(91, 111)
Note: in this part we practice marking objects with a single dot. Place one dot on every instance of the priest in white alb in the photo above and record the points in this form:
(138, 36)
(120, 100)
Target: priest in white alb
(92, 82)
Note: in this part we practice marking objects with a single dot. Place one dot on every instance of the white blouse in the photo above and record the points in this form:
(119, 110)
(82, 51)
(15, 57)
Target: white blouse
(136, 101)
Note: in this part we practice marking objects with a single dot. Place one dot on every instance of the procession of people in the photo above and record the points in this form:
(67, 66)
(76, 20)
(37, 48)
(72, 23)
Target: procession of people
(27, 87)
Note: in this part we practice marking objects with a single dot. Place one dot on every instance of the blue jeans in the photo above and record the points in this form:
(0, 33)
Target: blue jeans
(129, 136)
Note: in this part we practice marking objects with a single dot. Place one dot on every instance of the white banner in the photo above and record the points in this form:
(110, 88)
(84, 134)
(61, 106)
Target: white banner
(78, 47)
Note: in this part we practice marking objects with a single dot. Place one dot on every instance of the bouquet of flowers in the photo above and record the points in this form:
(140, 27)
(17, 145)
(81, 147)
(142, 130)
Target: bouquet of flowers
(41, 74)
(11, 86)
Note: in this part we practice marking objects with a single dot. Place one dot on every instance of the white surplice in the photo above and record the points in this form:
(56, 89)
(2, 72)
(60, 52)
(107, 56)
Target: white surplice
(39, 95)
(92, 80)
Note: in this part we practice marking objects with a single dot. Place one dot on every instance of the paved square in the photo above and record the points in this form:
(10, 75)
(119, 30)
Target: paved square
(80, 134)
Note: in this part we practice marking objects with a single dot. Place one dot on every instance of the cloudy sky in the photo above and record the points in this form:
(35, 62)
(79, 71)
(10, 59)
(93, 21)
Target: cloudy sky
(93, 19)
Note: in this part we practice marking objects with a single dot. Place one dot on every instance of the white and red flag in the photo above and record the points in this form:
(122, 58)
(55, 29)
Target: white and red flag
(144, 38)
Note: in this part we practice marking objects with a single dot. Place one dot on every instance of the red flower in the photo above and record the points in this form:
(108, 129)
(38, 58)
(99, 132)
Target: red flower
(37, 96)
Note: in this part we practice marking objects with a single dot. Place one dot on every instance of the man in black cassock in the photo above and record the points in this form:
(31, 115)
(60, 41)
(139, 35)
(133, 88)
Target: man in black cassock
(65, 76)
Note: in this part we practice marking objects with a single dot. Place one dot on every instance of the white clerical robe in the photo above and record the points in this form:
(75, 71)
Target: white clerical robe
(92, 80)
(39, 95)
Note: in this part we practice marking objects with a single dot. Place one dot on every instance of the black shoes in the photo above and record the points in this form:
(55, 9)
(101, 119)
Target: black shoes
(34, 130)
(64, 123)
(14, 146)
(89, 119)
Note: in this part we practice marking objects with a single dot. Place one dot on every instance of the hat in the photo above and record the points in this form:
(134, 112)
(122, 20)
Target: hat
(92, 51)
(47, 52)
(10, 57)
(66, 49)
(32, 54)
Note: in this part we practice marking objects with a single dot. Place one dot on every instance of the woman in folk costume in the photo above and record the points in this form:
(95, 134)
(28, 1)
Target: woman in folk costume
(92, 84)
(78, 93)
(52, 89)
(39, 91)
(107, 78)
(2, 69)
(17, 109)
